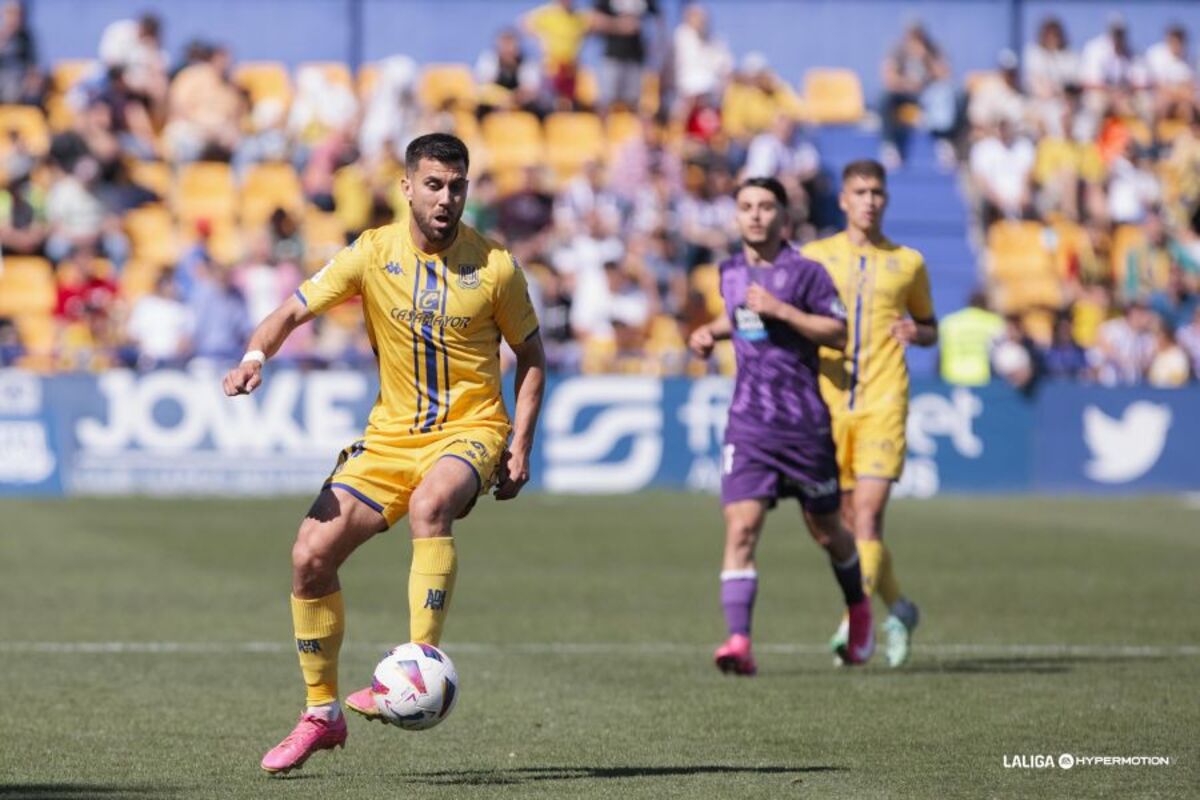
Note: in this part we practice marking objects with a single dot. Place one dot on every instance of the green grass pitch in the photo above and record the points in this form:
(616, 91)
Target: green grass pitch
(146, 650)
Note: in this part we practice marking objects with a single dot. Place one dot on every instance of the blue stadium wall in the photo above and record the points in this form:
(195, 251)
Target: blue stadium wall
(173, 433)
(795, 34)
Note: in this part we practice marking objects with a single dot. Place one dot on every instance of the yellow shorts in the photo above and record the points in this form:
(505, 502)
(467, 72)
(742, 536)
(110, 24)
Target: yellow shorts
(383, 472)
(870, 444)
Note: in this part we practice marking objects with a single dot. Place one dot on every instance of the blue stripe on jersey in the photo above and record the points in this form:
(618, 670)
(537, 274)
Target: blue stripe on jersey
(445, 353)
(862, 271)
(416, 354)
(431, 365)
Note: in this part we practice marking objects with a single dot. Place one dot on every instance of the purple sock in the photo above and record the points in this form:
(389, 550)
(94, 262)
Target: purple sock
(738, 587)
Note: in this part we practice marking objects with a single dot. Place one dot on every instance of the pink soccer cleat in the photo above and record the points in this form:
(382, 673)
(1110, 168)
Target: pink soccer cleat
(734, 656)
(362, 702)
(860, 641)
(310, 735)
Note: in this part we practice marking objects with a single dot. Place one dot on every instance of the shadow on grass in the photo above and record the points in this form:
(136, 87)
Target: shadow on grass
(500, 777)
(71, 791)
(1019, 665)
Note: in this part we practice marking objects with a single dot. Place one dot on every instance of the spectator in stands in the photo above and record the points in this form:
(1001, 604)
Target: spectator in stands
(1176, 302)
(221, 321)
(526, 214)
(1188, 337)
(135, 48)
(966, 340)
(83, 288)
(1014, 356)
(287, 240)
(18, 56)
(1050, 64)
(1133, 188)
(1170, 367)
(76, 216)
(585, 194)
(1064, 359)
(204, 109)
(755, 98)
(620, 24)
(560, 29)
(1108, 62)
(1068, 172)
(1124, 347)
(1168, 64)
(11, 348)
(702, 62)
(999, 98)
(1001, 168)
(1147, 265)
(780, 152)
(321, 108)
(23, 228)
(392, 114)
(482, 211)
(613, 309)
(264, 283)
(160, 327)
(130, 114)
(706, 216)
(916, 73)
(266, 138)
(508, 80)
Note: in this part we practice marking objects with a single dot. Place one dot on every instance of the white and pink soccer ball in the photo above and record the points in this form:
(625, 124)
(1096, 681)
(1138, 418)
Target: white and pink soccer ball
(415, 686)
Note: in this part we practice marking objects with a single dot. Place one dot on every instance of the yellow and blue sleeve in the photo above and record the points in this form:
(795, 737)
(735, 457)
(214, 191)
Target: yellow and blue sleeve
(337, 281)
(514, 311)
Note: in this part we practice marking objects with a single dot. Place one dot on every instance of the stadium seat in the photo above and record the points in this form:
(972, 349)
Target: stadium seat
(138, 279)
(266, 187)
(706, 281)
(152, 175)
(205, 190)
(1070, 243)
(1020, 237)
(151, 232)
(572, 140)
(587, 88)
(620, 127)
(335, 72)
(26, 286)
(70, 71)
(368, 76)
(225, 240)
(446, 83)
(264, 79)
(324, 236)
(37, 332)
(833, 96)
(29, 125)
(513, 139)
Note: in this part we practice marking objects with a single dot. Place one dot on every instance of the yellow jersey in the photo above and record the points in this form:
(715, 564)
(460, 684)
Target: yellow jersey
(878, 285)
(434, 322)
(560, 32)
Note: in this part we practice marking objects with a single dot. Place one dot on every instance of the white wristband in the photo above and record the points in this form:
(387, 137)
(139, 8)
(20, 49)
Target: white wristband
(255, 355)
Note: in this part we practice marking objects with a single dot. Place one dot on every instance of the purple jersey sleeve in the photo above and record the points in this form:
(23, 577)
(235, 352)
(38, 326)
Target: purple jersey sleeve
(818, 295)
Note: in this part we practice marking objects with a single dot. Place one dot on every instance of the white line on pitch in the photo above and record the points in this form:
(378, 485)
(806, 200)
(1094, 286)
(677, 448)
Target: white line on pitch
(608, 648)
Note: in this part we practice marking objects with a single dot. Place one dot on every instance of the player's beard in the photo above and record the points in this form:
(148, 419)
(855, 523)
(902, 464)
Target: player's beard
(425, 224)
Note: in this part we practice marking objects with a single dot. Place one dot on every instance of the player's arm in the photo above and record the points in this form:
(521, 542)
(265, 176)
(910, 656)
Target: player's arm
(531, 384)
(824, 330)
(703, 338)
(266, 340)
(920, 326)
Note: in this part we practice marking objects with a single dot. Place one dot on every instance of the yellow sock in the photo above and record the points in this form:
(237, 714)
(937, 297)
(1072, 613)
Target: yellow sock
(430, 582)
(889, 587)
(319, 624)
(870, 559)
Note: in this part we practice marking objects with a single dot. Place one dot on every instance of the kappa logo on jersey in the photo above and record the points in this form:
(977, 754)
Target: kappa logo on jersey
(308, 645)
(393, 268)
(468, 276)
(435, 599)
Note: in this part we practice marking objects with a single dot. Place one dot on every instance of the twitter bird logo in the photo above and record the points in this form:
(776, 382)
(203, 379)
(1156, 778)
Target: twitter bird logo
(1125, 449)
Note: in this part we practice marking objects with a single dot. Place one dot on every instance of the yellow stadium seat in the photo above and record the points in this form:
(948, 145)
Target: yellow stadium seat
(1015, 236)
(446, 83)
(335, 72)
(264, 79)
(324, 236)
(205, 190)
(512, 139)
(572, 140)
(70, 71)
(266, 187)
(706, 281)
(1126, 238)
(226, 243)
(37, 332)
(152, 175)
(587, 88)
(26, 286)
(151, 232)
(368, 77)
(1020, 295)
(138, 279)
(621, 126)
(833, 96)
(29, 124)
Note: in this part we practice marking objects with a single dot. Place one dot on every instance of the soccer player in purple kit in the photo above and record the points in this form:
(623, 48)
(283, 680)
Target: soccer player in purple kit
(780, 307)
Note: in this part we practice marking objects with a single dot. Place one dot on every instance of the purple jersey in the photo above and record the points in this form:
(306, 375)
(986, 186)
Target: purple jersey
(776, 395)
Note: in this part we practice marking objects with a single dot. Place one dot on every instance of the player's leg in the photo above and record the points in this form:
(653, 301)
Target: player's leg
(336, 524)
(870, 504)
(844, 425)
(739, 583)
(825, 526)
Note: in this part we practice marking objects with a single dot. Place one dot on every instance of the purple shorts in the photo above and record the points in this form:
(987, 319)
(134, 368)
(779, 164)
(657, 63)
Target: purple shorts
(771, 470)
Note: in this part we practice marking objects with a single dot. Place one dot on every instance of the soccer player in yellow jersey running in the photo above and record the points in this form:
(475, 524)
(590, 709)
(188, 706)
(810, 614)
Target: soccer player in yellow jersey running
(437, 298)
(886, 292)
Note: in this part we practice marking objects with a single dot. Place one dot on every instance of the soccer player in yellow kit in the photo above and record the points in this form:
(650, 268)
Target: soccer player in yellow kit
(885, 288)
(437, 298)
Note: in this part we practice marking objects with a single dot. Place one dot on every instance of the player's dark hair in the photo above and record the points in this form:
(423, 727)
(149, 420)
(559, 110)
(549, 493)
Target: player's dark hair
(865, 168)
(770, 184)
(440, 147)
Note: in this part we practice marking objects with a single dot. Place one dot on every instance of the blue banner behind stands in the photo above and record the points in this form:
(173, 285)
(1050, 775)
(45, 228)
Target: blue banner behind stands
(174, 433)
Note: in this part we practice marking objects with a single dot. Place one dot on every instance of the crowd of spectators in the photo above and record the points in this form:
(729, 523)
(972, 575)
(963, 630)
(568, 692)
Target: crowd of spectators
(1099, 147)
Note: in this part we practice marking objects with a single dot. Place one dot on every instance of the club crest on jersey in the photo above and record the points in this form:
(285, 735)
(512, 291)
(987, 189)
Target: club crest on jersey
(468, 276)
(892, 265)
(779, 279)
(394, 268)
